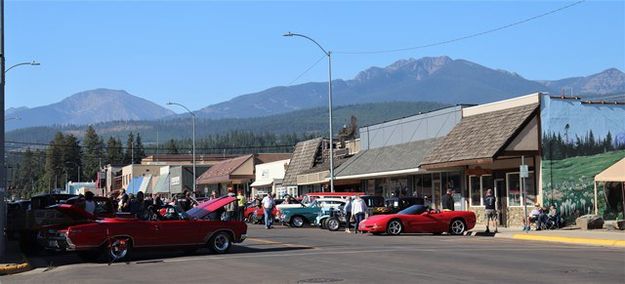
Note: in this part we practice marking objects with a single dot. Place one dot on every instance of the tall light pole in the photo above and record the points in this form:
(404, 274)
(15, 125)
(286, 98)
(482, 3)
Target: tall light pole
(33, 63)
(3, 209)
(193, 125)
(329, 55)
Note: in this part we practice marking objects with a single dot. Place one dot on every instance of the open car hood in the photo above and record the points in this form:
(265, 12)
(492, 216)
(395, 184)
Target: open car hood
(74, 211)
(207, 207)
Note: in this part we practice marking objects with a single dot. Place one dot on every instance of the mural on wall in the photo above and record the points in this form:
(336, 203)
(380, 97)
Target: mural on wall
(579, 140)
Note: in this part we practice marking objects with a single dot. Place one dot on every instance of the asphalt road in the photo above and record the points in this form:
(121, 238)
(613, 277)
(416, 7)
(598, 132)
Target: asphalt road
(310, 255)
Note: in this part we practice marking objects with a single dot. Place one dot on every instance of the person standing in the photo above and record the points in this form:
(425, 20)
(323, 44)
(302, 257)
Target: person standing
(241, 200)
(448, 200)
(89, 202)
(358, 210)
(231, 208)
(122, 201)
(490, 210)
(348, 213)
(268, 204)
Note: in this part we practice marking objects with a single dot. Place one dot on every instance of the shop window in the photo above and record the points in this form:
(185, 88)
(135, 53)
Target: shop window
(478, 187)
(475, 191)
(399, 186)
(423, 185)
(514, 189)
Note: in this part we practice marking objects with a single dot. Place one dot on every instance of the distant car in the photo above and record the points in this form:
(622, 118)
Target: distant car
(117, 237)
(419, 219)
(396, 204)
(297, 217)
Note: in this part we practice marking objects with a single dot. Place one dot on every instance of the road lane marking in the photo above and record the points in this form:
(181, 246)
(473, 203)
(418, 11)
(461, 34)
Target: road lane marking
(277, 243)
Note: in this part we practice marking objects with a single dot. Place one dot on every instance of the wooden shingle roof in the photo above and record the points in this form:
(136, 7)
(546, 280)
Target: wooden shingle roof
(303, 159)
(479, 137)
(386, 159)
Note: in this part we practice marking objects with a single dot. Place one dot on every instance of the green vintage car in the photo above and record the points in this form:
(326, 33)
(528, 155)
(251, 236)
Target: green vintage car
(297, 217)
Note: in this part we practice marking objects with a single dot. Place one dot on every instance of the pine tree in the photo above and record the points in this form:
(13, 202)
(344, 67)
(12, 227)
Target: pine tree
(54, 161)
(130, 145)
(139, 150)
(93, 153)
(170, 147)
(114, 153)
(72, 158)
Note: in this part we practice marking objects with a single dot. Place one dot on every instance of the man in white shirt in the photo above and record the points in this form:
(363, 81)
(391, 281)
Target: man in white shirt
(268, 204)
(358, 211)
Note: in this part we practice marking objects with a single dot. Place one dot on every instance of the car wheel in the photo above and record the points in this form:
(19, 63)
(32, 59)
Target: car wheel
(220, 242)
(119, 248)
(324, 223)
(297, 221)
(394, 228)
(457, 227)
(333, 224)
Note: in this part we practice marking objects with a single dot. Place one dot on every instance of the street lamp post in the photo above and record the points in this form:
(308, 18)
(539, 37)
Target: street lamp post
(329, 55)
(33, 63)
(193, 150)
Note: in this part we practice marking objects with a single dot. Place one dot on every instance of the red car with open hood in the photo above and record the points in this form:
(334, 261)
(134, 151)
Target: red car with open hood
(419, 219)
(116, 237)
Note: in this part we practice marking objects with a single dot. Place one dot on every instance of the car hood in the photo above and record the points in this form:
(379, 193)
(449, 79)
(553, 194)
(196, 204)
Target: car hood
(74, 211)
(375, 218)
(207, 207)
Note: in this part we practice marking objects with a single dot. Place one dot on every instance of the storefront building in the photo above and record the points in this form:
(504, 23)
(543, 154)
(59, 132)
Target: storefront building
(388, 164)
(269, 178)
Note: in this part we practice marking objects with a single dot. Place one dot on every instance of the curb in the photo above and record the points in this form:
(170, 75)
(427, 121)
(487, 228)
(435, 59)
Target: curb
(569, 240)
(14, 268)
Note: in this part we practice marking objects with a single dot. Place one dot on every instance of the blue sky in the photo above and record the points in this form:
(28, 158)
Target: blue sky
(204, 52)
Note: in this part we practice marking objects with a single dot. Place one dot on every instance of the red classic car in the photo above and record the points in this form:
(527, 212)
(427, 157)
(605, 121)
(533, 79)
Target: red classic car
(116, 237)
(419, 219)
(256, 215)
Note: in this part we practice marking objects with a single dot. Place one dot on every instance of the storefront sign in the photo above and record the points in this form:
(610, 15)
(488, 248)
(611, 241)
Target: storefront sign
(524, 171)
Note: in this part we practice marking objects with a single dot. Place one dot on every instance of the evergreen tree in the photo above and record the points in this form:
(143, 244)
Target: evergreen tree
(114, 153)
(170, 147)
(93, 153)
(139, 150)
(54, 161)
(130, 145)
(72, 154)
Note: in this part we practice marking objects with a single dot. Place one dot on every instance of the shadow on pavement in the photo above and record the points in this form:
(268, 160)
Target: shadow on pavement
(50, 260)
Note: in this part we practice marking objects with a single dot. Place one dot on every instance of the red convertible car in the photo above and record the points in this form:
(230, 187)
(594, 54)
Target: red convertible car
(419, 219)
(116, 237)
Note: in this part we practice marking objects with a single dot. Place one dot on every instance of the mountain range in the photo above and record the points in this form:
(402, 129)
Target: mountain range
(432, 79)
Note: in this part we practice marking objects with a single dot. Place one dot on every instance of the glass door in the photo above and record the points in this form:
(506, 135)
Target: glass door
(500, 194)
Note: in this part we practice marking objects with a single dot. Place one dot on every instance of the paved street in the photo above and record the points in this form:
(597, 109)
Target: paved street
(310, 255)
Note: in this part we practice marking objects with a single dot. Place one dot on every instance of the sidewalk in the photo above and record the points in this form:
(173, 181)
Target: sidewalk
(13, 261)
(607, 238)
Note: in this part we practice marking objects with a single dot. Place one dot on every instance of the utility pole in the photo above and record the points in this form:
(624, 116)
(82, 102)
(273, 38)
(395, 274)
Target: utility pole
(3, 211)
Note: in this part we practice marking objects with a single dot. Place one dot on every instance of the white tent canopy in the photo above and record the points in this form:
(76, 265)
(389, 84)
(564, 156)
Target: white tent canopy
(615, 173)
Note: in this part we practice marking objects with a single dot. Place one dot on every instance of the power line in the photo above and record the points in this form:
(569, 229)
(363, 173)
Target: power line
(306, 71)
(465, 36)
(149, 148)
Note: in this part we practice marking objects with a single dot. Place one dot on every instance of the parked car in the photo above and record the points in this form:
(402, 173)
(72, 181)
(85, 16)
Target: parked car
(396, 204)
(117, 237)
(17, 213)
(375, 204)
(419, 219)
(297, 217)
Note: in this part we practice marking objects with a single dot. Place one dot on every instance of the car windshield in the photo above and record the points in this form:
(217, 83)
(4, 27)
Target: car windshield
(413, 210)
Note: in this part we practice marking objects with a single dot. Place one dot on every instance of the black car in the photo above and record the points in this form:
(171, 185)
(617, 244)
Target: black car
(396, 204)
